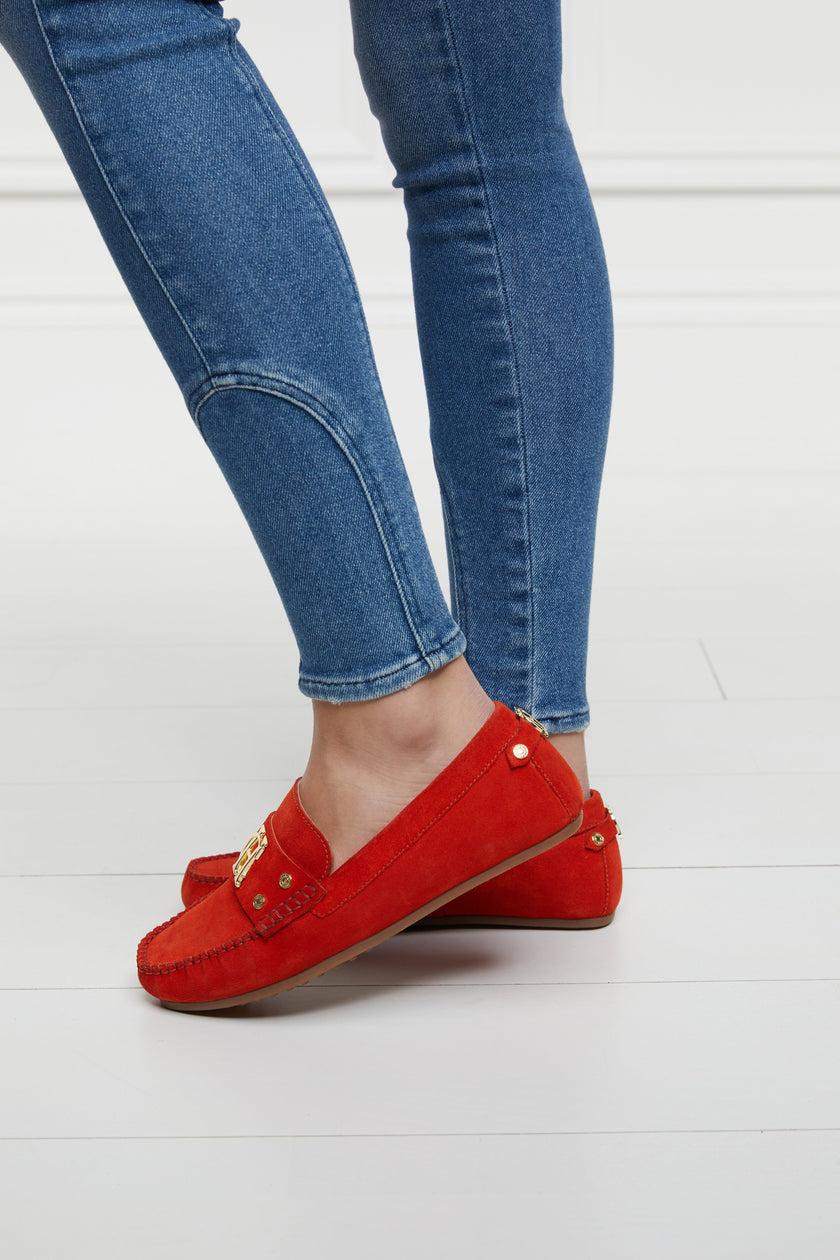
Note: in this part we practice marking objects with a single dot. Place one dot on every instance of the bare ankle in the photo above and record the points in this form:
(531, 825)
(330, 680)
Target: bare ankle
(437, 710)
(370, 758)
(571, 746)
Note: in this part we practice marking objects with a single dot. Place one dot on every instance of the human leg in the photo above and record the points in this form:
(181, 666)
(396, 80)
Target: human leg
(224, 239)
(514, 319)
(220, 230)
(513, 310)
(171, 134)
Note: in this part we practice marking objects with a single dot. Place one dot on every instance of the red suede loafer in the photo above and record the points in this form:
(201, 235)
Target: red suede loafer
(577, 884)
(204, 874)
(285, 917)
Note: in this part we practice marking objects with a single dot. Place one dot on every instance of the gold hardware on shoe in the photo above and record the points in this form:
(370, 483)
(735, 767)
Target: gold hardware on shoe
(597, 839)
(527, 717)
(253, 849)
(285, 880)
(520, 750)
(612, 816)
(258, 902)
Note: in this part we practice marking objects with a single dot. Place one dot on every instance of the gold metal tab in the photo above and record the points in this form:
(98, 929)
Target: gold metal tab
(252, 850)
(612, 816)
(527, 717)
(597, 839)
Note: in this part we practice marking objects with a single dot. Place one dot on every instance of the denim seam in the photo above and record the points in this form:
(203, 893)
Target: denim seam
(403, 667)
(342, 440)
(380, 510)
(444, 5)
(112, 191)
(454, 557)
(314, 189)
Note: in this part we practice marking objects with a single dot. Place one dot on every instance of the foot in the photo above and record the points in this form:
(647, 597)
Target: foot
(371, 758)
(288, 916)
(570, 746)
(577, 884)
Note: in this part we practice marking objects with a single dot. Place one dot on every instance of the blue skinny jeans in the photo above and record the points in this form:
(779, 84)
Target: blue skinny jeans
(228, 246)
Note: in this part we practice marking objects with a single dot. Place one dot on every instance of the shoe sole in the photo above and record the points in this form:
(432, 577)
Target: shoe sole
(347, 955)
(500, 920)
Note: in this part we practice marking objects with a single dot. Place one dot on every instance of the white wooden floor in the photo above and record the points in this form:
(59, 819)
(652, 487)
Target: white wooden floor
(666, 1088)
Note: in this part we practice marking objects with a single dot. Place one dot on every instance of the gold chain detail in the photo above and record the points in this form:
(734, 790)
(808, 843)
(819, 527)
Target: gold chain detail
(252, 850)
(527, 717)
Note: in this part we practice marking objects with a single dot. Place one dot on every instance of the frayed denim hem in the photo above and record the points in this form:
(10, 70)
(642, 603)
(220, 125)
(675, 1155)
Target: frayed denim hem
(338, 690)
(566, 724)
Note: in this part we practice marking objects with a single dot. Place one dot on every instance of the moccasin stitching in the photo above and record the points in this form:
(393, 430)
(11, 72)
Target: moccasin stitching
(165, 969)
(207, 879)
(193, 874)
(287, 907)
(162, 969)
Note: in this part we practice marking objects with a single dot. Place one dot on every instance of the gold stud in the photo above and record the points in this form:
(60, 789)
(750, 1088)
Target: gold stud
(259, 901)
(598, 839)
(520, 750)
(285, 880)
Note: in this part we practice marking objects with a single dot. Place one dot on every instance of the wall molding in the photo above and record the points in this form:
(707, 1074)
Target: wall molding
(393, 310)
(642, 171)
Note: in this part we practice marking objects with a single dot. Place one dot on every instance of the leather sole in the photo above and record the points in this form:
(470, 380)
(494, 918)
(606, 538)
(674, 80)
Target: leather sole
(347, 955)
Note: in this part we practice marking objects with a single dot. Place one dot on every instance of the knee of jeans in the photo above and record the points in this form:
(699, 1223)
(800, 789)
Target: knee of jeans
(459, 88)
(266, 395)
(406, 94)
(21, 21)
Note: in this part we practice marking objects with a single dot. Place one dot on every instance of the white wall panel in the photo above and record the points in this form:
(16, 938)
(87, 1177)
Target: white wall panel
(711, 137)
(681, 257)
(304, 52)
(726, 94)
(661, 93)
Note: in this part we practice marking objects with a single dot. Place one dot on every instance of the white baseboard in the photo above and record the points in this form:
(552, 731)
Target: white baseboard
(389, 311)
(607, 173)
